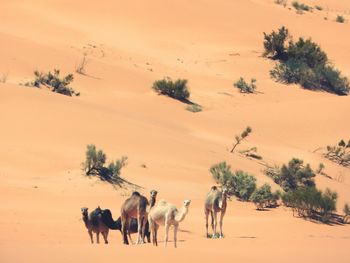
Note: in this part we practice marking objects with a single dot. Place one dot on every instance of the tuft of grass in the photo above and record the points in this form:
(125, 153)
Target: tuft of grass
(340, 19)
(194, 108)
(245, 87)
(318, 7)
(300, 7)
(281, 2)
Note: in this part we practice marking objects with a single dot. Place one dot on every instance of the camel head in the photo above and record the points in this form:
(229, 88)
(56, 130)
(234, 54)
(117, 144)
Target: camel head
(153, 193)
(84, 211)
(187, 203)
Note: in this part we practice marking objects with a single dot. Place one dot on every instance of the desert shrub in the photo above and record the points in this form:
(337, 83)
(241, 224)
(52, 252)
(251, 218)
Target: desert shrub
(305, 63)
(174, 89)
(281, 2)
(318, 7)
(262, 196)
(320, 168)
(194, 108)
(94, 165)
(244, 185)
(340, 19)
(339, 153)
(275, 43)
(245, 87)
(239, 183)
(241, 137)
(54, 82)
(346, 211)
(311, 202)
(292, 175)
(251, 153)
(301, 7)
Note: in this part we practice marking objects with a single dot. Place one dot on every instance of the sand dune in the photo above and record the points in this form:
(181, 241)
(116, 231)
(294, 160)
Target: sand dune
(128, 45)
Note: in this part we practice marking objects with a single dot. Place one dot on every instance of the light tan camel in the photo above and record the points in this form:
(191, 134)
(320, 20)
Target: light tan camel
(215, 202)
(134, 207)
(166, 214)
(93, 223)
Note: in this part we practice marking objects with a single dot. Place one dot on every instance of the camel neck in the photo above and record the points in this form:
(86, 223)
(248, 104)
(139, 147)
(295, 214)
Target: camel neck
(180, 216)
(153, 201)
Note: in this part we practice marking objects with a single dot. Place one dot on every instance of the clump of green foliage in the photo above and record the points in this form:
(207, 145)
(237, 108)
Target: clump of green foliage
(303, 62)
(239, 183)
(54, 82)
(241, 137)
(194, 108)
(311, 202)
(346, 211)
(175, 89)
(245, 87)
(263, 197)
(340, 19)
(339, 153)
(318, 7)
(293, 175)
(300, 7)
(95, 165)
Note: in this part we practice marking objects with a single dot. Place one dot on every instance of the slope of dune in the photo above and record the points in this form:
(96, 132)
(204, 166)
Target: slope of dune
(128, 45)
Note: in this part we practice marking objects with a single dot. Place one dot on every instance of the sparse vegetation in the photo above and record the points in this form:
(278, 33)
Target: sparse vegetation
(300, 7)
(240, 138)
(320, 169)
(293, 175)
(311, 202)
(194, 108)
(240, 184)
(346, 211)
(303, 62)
(340, 19)
(318, 7)
(281, 2)
(174, 89)
(53, 82)
(81, 67)
(94, 165)
(245, 87)
(339, 153)
(251, 153)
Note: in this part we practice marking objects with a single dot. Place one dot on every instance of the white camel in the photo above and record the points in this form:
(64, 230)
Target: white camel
(166, 214)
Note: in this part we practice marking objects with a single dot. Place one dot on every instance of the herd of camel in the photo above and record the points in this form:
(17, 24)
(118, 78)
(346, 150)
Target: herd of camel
(142, 216)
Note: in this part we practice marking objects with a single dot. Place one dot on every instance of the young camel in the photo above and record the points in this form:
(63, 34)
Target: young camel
(94, 224)
(134, 207)
(215, 202)
(166, 214)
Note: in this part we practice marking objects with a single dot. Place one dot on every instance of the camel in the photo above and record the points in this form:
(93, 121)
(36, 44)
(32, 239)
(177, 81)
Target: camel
(107, 219)
(166, 214)
(215, 202)
(94, 224)
(134, 207)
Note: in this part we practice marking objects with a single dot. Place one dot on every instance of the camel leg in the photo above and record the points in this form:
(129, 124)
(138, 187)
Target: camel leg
(139, 228)
(129, 231)
(167, 226)
(212, 222)
(175, 234)
(144, 221)
(206, 221)
(105, 234)
(215, 222)
(221, 219)
(91, 237)
(98, 237)
(124, 229)
(156, 235)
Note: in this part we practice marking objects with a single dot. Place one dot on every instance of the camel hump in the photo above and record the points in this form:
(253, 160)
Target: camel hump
(136, 193)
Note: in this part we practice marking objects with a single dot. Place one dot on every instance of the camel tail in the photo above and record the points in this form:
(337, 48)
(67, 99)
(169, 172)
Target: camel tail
(107, 219)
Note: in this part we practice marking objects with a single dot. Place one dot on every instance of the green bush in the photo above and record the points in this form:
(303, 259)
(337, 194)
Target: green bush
(174, 89)
(262, 197)
(339, 154)
(240, 184)
(245, 87)
(54, 82)
(301, 7)
(318, 7)
(94, 165)
(292, 175)
(274, 43)
(303, 62)
(340, 19)
(311, 202)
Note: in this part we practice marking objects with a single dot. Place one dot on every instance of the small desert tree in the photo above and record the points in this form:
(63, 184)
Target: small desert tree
(262, 196)
(244, 185)
(94, 165)
(274, 43)
(240, 138)
(222, 175)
